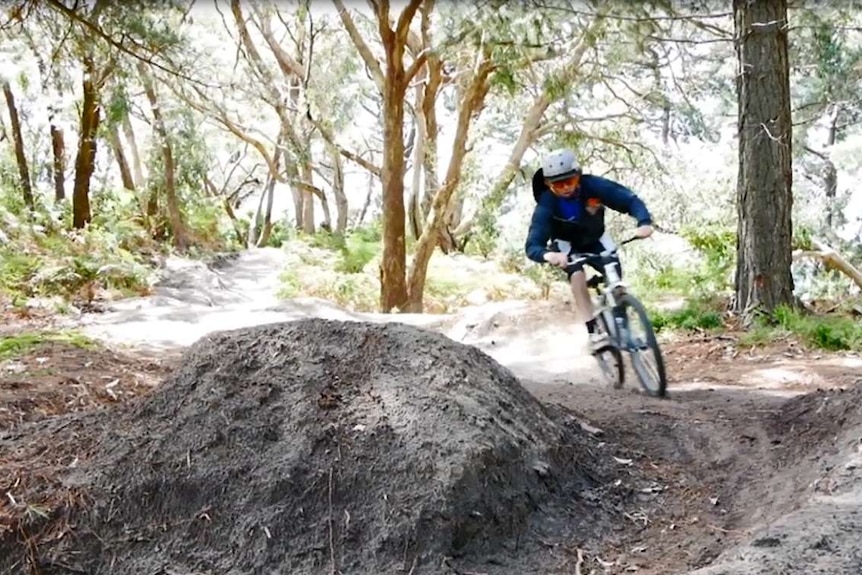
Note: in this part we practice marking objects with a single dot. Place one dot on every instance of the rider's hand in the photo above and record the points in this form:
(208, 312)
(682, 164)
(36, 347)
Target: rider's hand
(558, 259)
(644, 231)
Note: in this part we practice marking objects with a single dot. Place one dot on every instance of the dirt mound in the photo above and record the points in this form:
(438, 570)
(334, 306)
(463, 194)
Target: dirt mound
(320, 446)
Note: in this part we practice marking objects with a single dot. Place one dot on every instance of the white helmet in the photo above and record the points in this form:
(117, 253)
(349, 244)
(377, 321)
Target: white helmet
(560, 164)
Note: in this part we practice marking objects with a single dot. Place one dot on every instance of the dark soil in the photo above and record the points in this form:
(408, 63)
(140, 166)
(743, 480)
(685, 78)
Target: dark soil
(737, 468)
(316, 446)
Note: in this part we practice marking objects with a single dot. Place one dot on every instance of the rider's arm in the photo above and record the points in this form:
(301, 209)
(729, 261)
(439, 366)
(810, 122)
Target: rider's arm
(617, 197)
(540, 229)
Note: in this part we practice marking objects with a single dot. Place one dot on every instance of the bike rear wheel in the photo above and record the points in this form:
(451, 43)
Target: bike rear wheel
(610, 360)
(643, 348)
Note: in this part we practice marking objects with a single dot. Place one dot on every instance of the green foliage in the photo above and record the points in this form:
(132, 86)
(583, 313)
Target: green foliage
(717, 245)
(356, 254)
(15, 345)
(41, 258)
(75, 264)
(834, 331)
(828, 331)
(694, 315)
(354, 291)
(710, 275)
(355, 249)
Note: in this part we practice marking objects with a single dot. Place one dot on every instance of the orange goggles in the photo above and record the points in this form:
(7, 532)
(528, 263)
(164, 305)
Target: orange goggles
(563, 185)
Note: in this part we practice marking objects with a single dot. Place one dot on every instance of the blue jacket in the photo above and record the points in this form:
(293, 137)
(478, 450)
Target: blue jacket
(568, 219)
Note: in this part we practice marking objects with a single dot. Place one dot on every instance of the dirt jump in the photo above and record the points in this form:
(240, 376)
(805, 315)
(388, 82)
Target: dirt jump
(466, 444)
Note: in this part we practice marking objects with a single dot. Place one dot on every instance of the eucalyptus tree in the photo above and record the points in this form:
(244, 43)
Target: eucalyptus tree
(24, 181)
(541, 60)
(392, 78)
(24, 30)
(285, 80)
(93, 39)
(461, 54)
(826, 59)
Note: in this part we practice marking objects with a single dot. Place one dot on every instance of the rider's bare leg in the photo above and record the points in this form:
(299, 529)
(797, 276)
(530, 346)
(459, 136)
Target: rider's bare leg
(583, 301)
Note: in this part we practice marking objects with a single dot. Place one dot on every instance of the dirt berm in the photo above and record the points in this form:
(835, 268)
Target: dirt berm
(319, 446)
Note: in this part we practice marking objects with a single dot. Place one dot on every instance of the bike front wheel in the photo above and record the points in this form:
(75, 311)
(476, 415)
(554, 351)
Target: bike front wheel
(610, 360)
(643, 348)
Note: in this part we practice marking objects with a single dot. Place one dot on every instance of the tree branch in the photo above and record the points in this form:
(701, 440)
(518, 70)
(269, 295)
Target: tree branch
(370, 61)
(98, 31)
(403, 26)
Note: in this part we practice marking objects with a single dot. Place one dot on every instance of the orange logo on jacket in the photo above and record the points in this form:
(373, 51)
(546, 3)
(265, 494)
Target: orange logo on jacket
(593, 205)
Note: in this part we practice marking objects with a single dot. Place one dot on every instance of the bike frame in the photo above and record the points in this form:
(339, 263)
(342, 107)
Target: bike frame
(615, 298)
(614, 288)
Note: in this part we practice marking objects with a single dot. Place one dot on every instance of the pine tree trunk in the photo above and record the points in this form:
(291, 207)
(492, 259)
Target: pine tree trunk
(764, 193)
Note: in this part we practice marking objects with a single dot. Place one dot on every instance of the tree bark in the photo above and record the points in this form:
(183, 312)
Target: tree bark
(18, 140)
(830, 172)
(137, 166)
(393, 292)
(178, 228)
(367, 203)
(338, 189)
(122, 162)
(764, 193)
(58, 141)
(416, 213)
(86, 158)
(58, 166)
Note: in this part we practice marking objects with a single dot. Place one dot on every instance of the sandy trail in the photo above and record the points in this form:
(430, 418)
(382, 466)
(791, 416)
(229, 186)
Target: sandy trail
(536, 341)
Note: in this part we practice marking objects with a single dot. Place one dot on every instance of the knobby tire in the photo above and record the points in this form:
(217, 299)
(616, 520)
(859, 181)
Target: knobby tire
(613, 354)
(631, 301)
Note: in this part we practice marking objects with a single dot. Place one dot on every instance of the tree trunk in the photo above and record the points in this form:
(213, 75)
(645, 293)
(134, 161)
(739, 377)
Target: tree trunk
(18, 140)
(307, 212)
(365, 205)
(178, 228)
(58, 148)
(324, 204)
(137, 167)
(338, 189)
(85, 161)
(391, 81)
(260, 227)
(416, 213)
(471, 102)
(393, 284)
(58, 141)
(120, 156)
(830, 172)
(764, 194)
(298, 203)
(266, 232)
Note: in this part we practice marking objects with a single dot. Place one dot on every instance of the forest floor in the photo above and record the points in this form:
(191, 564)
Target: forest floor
(753, 464)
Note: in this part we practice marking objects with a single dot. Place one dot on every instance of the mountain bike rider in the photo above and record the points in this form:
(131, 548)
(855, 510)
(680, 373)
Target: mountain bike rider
(569, 218)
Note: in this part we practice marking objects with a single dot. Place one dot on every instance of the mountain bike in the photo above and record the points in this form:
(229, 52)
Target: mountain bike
(614, 302)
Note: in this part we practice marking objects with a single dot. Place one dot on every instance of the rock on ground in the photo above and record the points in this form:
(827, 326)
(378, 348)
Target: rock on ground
(320, 446)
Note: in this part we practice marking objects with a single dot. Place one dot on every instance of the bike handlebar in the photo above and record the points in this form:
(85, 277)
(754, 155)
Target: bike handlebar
(577, 258)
